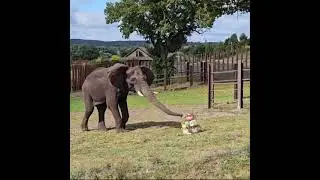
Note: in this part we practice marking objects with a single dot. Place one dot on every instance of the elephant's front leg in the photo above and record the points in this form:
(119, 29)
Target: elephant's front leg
(124, 112)
(101, 110)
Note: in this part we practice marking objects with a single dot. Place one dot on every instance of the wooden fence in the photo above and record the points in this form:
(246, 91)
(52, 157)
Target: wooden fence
(239, 71)
(194, 69)
(79, 72)
(190, 70)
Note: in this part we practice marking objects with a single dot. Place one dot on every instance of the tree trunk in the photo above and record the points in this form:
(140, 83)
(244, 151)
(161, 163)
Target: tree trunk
(164, 54)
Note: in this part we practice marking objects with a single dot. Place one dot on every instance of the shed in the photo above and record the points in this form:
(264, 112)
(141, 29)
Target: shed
(138, 56)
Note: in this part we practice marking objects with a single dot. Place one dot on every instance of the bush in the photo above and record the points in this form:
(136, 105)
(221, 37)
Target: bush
(115, 58)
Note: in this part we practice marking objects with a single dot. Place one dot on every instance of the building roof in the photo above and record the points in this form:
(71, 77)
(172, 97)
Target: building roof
(143, 49)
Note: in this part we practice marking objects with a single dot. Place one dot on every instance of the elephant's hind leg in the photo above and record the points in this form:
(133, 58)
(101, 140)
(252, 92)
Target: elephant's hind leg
(101, 110)
(88, 111)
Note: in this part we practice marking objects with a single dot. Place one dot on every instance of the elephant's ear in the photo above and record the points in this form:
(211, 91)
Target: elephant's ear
(148, 73)
(118, 75)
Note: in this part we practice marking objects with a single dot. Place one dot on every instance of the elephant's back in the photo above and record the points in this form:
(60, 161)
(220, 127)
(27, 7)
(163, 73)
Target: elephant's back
(97, 73)
(96, 84)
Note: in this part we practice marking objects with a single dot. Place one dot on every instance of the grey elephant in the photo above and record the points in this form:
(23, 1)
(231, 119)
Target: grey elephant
(109, 87)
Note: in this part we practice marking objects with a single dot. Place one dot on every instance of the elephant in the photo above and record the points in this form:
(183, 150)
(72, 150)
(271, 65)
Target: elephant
(109, 87)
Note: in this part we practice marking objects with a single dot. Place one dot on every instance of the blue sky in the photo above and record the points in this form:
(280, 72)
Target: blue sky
(87, 22)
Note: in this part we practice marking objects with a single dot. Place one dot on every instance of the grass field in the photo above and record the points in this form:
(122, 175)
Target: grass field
(192, 96)
(155, 148)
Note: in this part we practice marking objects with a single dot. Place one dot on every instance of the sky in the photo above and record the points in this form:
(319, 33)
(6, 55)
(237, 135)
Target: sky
(87, 21)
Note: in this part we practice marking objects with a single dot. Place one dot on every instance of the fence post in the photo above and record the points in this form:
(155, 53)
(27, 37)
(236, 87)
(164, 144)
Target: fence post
(213, 69)
(205, 80)
(78, 76)
(201, 71)
(188, 69)
(165, 79)
(219, 58)
(205, 70)
(223, 62)
(210, 86)
(165, 68)
(191, 75)
(240, 84)
(72, 78)
(235, 87)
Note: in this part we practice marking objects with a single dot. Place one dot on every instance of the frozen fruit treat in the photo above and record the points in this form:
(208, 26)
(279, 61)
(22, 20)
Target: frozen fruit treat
(189, 124)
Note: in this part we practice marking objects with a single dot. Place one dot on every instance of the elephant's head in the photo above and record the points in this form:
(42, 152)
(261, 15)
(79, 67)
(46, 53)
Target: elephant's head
(139, 78)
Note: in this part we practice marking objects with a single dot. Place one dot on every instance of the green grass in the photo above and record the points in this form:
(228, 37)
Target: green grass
(157, 149)
(221, 151)
(192, 96)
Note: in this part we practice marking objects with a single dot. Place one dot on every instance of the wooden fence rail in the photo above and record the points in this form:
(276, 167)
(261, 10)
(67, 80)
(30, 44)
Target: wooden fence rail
(238, 74)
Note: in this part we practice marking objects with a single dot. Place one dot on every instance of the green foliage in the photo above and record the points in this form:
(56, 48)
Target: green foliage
(125, 51)
(232, 6)
(169, 20)
(99, 60)
(243, 40)
(84, 52)
(229, 44)
(107, 50)
(232, 41)
(107, 55)
(167, 23)
(158, 66)
(115, 58)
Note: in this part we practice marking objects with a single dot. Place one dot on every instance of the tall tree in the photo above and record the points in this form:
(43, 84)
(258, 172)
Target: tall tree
(167, 23)
(234, 39)
(243, 39)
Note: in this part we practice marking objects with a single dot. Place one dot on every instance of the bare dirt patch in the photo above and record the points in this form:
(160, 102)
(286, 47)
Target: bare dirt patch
(151, 117)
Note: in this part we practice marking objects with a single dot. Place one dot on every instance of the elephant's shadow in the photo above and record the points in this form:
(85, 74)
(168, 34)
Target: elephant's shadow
(150, 124)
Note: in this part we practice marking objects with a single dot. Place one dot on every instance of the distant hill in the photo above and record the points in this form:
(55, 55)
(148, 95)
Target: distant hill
(115, 43)
(107, 43)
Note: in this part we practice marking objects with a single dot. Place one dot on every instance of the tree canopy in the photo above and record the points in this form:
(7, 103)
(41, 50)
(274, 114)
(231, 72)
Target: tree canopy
(167, 23)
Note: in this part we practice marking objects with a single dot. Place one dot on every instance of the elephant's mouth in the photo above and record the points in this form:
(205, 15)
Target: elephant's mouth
(132, 88)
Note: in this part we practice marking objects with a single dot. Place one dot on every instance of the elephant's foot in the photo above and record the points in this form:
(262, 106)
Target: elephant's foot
(123, 126)
(102, 126)
(121, 130)
(84, 128)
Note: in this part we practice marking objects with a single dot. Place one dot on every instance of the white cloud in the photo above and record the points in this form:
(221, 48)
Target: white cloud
(224, 27)
(89, 20)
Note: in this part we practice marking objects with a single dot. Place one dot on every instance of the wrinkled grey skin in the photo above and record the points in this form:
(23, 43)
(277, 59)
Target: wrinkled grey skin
(109, 87)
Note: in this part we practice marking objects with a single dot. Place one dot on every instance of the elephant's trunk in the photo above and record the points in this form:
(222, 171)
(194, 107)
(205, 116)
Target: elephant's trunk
(151, 97)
